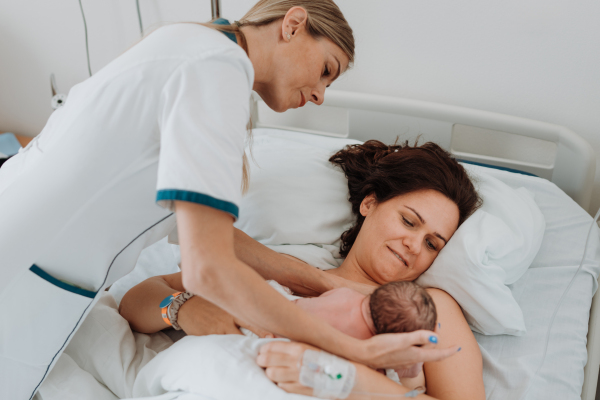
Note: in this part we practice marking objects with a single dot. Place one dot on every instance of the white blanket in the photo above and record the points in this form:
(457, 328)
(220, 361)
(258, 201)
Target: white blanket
(107, 361)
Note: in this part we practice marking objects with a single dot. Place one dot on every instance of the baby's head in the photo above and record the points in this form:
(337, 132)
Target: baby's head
(395, 307)
(398, 307)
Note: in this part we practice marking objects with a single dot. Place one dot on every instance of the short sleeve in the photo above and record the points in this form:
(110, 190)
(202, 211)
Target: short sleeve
(203, 116)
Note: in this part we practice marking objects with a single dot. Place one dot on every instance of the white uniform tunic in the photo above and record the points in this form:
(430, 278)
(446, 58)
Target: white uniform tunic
(164, 121)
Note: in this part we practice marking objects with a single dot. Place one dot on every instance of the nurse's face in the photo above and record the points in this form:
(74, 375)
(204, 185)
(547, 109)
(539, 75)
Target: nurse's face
(301, 67)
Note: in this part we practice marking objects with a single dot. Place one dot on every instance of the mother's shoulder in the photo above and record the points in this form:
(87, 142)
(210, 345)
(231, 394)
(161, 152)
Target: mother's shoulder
(440, 295)
(444, 303)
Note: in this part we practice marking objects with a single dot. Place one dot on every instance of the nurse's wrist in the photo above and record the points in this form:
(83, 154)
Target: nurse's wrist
(326, 281)
(354, 350)
(336, 282)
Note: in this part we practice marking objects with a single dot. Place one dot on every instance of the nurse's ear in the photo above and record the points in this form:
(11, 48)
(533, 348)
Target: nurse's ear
(293, 23)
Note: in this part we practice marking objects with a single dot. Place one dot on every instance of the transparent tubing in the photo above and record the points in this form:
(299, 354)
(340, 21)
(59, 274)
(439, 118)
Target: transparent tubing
(413, 393)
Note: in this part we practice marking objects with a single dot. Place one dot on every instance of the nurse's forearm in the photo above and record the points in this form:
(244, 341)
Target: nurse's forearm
(240, 291)
(211, 269)
(300, 277)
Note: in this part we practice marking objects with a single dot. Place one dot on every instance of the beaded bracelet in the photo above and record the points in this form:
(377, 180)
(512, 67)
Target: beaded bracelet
(173, 308)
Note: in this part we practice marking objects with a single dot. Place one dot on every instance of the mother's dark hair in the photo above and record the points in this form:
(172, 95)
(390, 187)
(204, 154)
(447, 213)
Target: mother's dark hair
(390, 171)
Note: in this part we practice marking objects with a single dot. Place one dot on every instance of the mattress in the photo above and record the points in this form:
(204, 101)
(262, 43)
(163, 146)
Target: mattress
(547, 362)
(515, 367)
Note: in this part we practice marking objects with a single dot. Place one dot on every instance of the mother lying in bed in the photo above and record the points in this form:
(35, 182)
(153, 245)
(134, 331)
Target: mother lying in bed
(408, 203)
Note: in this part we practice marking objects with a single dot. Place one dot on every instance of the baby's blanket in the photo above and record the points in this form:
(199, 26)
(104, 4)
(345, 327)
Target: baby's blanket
(107, 361)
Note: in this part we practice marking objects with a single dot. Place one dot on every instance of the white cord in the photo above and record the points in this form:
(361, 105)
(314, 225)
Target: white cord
(413, 393)
(87, 47)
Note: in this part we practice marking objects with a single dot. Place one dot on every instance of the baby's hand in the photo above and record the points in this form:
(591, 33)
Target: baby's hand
(412, 372)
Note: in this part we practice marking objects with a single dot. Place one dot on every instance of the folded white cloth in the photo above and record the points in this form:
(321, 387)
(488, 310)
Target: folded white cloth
(105, 360)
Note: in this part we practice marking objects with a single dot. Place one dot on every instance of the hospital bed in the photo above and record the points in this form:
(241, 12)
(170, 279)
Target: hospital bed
(524, 149)
(558, 356)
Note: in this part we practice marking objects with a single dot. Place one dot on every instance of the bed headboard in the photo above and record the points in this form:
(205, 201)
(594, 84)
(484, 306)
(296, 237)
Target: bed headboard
(549, 151)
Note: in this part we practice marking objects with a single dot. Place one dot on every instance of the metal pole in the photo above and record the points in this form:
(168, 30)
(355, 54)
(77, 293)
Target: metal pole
(215, 6)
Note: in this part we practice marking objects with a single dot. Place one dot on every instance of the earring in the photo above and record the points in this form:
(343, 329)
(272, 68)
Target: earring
(288, 36)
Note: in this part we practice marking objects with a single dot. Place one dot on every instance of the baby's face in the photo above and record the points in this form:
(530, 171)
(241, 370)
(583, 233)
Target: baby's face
(344, 309)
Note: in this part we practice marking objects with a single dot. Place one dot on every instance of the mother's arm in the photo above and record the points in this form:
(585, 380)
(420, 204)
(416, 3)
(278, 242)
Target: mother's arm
(459, 377)
(201, 317)
(281, 361)
(197, 316)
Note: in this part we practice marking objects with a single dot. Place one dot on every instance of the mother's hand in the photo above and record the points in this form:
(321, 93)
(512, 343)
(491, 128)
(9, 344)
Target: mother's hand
(282, 362)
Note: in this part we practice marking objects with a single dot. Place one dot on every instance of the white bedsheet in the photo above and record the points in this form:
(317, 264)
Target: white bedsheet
(510, 363)
(107, 361)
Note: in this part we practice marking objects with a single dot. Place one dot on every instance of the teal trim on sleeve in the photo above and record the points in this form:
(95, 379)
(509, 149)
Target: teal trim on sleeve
(198, 198)
(61, 284)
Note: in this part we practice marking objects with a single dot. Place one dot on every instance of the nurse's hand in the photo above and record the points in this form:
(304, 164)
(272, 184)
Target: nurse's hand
(200, 317)
(337, 282)
(402, 351)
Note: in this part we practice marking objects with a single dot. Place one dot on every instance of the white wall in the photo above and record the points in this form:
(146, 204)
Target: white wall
(538, 59)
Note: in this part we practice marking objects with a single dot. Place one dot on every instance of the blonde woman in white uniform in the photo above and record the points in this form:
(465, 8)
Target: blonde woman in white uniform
(156, 140)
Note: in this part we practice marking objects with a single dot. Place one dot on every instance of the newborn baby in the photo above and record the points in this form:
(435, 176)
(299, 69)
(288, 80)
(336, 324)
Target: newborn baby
(395, 307)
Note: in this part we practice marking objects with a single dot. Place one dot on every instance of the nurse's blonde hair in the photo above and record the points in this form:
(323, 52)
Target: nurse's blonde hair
(324, 20)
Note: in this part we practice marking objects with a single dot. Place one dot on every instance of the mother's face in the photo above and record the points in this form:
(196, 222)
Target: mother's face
(401, 237)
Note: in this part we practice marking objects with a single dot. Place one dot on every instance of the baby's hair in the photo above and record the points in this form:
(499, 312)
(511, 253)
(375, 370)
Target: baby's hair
(398, 307)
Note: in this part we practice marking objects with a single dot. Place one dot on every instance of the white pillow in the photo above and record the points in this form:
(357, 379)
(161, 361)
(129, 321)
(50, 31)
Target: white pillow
(490, 250)
(298, 197)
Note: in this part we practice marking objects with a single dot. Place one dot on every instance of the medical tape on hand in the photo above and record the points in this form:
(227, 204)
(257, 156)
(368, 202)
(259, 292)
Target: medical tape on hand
(330, 377)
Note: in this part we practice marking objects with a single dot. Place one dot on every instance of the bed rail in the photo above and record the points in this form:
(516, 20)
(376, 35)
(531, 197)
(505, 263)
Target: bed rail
(543, 149)
(546, 150)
